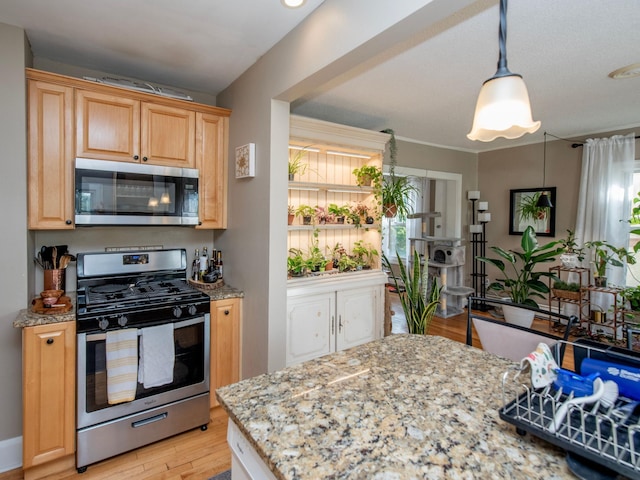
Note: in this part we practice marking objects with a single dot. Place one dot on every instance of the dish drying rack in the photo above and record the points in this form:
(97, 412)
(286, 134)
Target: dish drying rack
(609, 437)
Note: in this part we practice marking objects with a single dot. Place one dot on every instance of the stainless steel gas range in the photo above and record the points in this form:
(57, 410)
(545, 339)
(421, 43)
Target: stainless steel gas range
(143, 351)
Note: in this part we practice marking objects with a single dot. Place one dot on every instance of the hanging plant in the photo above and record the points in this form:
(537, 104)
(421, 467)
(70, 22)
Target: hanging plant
(396, 191)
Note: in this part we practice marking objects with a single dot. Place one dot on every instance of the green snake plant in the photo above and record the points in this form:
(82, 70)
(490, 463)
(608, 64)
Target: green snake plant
(418, 302)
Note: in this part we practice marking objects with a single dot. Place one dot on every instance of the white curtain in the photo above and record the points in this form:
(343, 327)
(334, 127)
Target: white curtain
(604, 203)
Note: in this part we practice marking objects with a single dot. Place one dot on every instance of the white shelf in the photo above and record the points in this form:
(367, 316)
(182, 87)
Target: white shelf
(330, 188)
(333, 226)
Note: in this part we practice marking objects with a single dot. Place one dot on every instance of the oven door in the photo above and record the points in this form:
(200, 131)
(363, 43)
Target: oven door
(190, 374)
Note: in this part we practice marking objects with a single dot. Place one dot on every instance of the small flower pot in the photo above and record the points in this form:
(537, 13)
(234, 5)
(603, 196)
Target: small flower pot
(306, 220)
(290, 219)
(390, 210)
(600, 282)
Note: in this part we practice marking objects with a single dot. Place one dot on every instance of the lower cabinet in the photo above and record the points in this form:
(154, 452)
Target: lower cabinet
(332, 316)
(225, 344)
(48, 393)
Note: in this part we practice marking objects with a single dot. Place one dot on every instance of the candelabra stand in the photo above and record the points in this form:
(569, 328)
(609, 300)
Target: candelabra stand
(479, 219)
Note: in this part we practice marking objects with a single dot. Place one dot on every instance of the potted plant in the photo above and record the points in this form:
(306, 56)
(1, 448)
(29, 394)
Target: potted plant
(338, 212)
(566, 290)
(419, 299)
(337, 252)
(296, 264)
(315, 260)
(396, 197)
(296, 165)
(354, 217)
(368, 175)
(291, 214)
(306, 212)
(346, 263)
(606, 254)
(573, 254)
(632, 296)
(364, 254)
(322, 216)
(521, 283)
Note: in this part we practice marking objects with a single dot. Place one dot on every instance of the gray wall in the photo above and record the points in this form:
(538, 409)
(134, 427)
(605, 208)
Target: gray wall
(317, 52)
(15, 240)
(521, 167)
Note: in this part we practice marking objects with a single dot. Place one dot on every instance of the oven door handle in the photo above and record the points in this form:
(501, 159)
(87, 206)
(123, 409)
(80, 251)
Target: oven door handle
(96, 337)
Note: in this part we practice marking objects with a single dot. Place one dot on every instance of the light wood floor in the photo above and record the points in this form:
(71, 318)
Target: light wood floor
(199, 455)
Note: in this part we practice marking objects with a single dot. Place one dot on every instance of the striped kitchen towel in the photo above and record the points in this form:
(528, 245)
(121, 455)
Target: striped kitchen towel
(122, 365)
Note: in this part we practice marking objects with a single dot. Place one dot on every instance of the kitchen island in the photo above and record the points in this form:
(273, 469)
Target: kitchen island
(403, 407)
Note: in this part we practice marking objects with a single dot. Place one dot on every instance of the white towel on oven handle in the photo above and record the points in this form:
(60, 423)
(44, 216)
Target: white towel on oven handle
(157, 355)
(122, 365)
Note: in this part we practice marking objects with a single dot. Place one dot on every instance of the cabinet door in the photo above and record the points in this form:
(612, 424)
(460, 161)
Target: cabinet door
(311, 327)
(48, 392)
(211, 161)
(357, 312)
(168, 135)
(50, 157)
(107, 127)
(225, 344)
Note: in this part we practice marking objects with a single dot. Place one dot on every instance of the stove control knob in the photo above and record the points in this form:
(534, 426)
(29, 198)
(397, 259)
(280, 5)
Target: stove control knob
(177, 312)
(193, 310)
(103, 323)
(122, 320)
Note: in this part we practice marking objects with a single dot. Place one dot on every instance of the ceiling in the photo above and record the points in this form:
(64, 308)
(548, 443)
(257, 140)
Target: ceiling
(425, 89)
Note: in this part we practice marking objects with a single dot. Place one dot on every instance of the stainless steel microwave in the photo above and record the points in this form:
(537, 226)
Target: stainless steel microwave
(121, 193)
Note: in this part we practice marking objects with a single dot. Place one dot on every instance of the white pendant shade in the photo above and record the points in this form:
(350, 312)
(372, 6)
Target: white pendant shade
(502, 110)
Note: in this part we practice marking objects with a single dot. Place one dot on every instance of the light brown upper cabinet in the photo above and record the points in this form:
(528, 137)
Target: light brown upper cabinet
(112, 127)
(50, 156)
(112, 123)
(211, 142)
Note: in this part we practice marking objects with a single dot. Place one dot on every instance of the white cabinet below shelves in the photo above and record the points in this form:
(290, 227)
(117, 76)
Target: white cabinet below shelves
(329, 315)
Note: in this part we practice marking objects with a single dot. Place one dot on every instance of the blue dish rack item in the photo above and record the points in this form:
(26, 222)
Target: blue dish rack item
(608, 437)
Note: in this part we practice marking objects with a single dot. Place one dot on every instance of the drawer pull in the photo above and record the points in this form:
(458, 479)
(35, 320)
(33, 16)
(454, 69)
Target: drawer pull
(49, 341)
(226, 312)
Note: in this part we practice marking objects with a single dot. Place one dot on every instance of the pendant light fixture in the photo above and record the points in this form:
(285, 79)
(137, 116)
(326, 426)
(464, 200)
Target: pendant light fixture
(503, 108)
(543, 200)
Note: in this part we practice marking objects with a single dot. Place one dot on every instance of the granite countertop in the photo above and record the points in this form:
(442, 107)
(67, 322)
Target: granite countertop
(27, 318)
(403, 407)
(221, 293)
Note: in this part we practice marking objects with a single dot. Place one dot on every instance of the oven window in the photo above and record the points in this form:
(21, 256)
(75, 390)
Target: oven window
(189, 343)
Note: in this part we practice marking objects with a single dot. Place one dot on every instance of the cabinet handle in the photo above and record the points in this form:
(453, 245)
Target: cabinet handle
(136, 157)
(49, 341)
(68, 222)
(144, 159)
(226, 312)
(333, 324)
(339, 323)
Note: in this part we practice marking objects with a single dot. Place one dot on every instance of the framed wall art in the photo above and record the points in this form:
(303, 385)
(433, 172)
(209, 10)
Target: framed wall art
(524, 212)
(246, 161)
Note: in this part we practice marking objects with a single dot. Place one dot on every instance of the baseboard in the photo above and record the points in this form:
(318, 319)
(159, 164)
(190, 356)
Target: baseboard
(10, 454)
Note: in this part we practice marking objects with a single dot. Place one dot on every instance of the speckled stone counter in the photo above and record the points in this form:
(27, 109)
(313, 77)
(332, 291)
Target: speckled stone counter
(222, 293)
(403, 407)
(27, 318)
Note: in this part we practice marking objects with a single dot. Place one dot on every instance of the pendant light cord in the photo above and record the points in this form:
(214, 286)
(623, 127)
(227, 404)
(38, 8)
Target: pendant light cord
(544, 161)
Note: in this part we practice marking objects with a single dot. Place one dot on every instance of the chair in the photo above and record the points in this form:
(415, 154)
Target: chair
(513, 341)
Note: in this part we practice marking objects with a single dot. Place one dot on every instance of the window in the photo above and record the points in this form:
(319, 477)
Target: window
(633, 271)
(394, 230)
